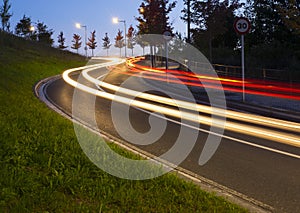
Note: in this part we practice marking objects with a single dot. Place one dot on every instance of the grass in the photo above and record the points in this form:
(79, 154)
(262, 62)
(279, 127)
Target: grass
(42, 167)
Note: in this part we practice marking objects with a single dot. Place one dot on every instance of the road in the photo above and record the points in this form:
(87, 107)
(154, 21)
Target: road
(263, 169)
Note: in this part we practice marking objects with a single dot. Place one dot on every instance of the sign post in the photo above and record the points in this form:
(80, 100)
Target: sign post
(242, 26)
(167, 35)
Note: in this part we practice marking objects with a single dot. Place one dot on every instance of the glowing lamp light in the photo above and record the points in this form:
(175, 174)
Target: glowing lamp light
(31, 28)
(78, 25)
(115, 20)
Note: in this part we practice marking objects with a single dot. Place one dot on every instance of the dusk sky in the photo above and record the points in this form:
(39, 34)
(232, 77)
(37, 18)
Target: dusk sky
(96, 14)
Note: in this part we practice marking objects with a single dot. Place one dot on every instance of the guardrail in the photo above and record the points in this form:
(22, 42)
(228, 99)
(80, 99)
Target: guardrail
(236, 71)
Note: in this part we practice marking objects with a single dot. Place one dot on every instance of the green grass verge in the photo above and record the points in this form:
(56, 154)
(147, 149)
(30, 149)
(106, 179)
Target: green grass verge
(42, 167)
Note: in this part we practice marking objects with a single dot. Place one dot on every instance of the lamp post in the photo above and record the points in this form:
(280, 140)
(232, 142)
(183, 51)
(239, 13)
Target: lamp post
(79, 26)
(189, 21)
(116, 21)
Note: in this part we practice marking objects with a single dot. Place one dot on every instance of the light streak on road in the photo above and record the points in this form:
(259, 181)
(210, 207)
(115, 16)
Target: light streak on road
(255, 119)
(210, 85)
(286, 138)
(254, 87)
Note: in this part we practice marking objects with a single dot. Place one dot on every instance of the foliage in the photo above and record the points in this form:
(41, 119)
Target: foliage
(61, 41)
(274, 20)
(106, 43)
(23, 27)
(43, 34)
(154, 17)
(76, 42)
(5, 15)
(131, 39)
(290, 16)
(92, 42)
(119, 40)
(177, 44)
(214, 23)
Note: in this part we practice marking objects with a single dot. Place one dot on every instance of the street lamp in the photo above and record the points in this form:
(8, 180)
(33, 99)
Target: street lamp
(116, 21)
(32, 28)
(79, 26)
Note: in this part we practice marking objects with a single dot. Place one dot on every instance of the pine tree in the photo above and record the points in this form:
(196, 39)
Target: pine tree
(43, 34)
(61, 41)
(5, 15)
(92, 42)
(131, 39)
(76, 42)
(106, 43)
(154, 17)
(119, 40)
(23, 27)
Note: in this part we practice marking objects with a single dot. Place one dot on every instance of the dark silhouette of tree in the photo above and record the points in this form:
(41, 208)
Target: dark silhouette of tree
(119, 40)
(106, 43)
(43, 34)
(291, 16)
(92, 42)
(274, 20)
(61, 41)
(131, 39)
(214, 23)
(76, 42)
(5, 15)
(23, 27)
(154, 19)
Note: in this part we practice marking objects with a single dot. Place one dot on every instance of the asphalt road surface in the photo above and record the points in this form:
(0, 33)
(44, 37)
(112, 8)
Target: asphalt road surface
(264, 175)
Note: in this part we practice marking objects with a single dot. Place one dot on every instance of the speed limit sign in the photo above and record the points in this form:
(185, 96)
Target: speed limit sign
(242, 25)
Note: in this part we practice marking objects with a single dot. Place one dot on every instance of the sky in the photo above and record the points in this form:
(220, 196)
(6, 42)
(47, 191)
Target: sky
(61, 15)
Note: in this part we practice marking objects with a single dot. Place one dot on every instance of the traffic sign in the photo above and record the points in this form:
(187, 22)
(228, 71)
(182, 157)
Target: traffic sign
(167, 35)
(242, 25)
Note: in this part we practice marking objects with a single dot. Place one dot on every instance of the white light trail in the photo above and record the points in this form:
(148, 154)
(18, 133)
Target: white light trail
(255, 119)
(285, 138)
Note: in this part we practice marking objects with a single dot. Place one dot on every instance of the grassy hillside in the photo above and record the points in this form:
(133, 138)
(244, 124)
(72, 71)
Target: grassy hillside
(42, 167)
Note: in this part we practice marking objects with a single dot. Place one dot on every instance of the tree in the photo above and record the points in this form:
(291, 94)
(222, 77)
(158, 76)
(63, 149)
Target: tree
(5, 15)
(119, 40)
(43, 34)
(290, 16)
(178, 44)
(61, 41)
(92, 42)
(131, 39)
(214, 20)
(154, 19)
(23, 27)
(273, 20)
(106, 43)
(76, 42)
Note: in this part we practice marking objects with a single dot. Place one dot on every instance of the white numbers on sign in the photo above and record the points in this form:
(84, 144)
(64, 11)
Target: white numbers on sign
(242, 25)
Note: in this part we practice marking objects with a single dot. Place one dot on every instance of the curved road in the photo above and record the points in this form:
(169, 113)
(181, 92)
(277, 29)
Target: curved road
(269, 177)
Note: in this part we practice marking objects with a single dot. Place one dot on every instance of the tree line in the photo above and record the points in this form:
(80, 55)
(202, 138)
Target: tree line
(38, 31)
